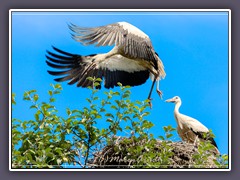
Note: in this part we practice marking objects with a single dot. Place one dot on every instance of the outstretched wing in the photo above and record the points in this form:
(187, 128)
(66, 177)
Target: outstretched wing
(76, 68)
(132, 42)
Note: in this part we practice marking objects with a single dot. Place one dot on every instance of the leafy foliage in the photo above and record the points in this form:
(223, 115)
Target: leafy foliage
(77, 140)
(205, 153)
(41, 143)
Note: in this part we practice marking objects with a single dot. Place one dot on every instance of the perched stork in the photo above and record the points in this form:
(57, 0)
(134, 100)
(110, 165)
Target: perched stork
(189, 129)
(131, 61)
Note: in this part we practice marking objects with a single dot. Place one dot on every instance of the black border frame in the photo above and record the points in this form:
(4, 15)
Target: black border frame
(171, 4)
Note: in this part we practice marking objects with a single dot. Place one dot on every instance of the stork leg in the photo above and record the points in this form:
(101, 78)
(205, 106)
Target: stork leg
(195, 141)
(158, 90)
(150, 93)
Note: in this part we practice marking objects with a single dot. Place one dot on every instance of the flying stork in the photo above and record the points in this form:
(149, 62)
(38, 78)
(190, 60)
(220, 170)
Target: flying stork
(131, 61)
(188, 128)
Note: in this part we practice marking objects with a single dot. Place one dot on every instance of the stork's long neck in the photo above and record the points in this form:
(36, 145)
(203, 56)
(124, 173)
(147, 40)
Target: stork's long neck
(177, 106)
(176, 112)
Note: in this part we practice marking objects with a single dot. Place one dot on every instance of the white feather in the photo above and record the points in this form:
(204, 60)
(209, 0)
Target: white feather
(132, 29)
(118, 62)
(193, 124)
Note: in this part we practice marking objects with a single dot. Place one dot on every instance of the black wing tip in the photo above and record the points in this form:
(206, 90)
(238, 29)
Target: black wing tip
(71, 25)
(49, 52)
(59, 51)
(47, 56)
(53, 47)
(213, 142)
(211, 139)
(52, 72)
(59, 79)
(48, 63)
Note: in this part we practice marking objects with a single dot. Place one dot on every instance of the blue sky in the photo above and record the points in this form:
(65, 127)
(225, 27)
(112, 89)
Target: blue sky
(192, 45)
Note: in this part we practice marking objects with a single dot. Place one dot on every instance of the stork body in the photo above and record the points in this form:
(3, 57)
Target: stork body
(131, 61)
(188, 128)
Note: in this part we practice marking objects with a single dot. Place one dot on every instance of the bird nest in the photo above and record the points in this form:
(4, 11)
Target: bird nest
(179, 155)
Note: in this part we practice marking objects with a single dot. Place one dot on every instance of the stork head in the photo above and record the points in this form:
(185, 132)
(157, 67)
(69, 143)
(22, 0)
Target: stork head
(175, 99)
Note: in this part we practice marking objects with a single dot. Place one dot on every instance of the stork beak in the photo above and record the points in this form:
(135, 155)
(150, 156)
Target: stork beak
(169, 100)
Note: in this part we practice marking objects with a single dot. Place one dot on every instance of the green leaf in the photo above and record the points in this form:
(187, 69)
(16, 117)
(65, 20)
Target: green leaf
(68, 111)
(114, 107)
(109, 115)
(88, 100)
(58, 86)
(35, 97)
(36, 115)
(59, 150)
(136, 116)
(102, 110)
(169, 135)
(50, 92)
(56, 92)
(119, 128)
(126, 96)
(23, 125)
(98, 116)
(165, 128)
(161, 137)
(136, 107)
(68, 131)
(32, 91)
(116, 93)
(96, 84)
(33, 107)
(109, 120)
(125, 118)
(90, 78)
(145, 114)
(95, 98)
(26, 98)
(13, 98)
(127, 91)
(103, 102)
(31, 151)
(118, 102)
(170, 128)
(25, 94)
(119, 84)
(147, 124)
(99, 79)
(119, 115)
(93, 112)
(128, 128)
